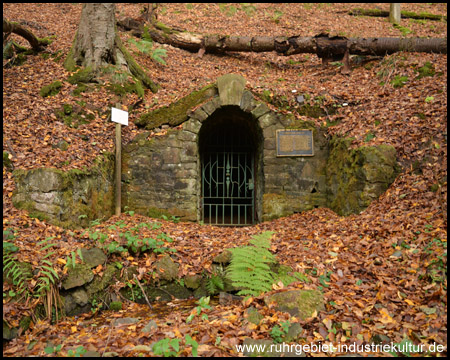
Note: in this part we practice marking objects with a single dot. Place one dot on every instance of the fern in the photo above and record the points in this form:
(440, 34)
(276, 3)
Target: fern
(215, 284)
(146, 46)
(46, 288)
(17, 273)
(158, 55)
(249, 268)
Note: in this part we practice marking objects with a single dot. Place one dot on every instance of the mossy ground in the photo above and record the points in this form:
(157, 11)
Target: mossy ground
(51, 89)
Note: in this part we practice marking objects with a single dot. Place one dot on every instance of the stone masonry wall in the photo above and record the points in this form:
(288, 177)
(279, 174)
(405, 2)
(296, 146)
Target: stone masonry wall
(161, 174)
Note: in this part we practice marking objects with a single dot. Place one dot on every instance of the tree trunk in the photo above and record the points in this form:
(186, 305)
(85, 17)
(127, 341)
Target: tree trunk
(394, 13)
(324, 46)
(12, 27)
(96, 44)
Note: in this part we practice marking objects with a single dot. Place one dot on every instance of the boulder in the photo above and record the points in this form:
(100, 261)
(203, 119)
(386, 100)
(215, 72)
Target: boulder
(78, 276)
(299, 303)
(93, 257)
(166, 268)
(223, 258)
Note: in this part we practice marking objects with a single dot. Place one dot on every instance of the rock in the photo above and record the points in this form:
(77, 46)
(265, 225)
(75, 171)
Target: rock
(93, 257)
(298, 303)
(91, 353)
(78, 276)
(231, 87)
(227, 299)
(248, 343)
(192, 281)
(110, 354)
(294, 332)
(165, 293)
(166, 268)
(101, 283)
(62, 145)
(300, 99)
(125, 321)
(223, 258)
(253, 316)
(150, 326)
(80, 297)
(9, 333)
(177, 291)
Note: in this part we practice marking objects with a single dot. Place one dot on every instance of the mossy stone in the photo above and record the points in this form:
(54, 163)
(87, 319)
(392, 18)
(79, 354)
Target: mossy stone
(177, 112)
(192, 281)
(166, 268)
(253, 316)
(78, 276)
(298, 303)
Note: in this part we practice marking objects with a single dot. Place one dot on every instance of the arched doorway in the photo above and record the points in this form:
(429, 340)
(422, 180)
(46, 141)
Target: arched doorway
(229, 148)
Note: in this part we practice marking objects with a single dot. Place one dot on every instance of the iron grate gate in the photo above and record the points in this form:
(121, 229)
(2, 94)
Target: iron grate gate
(228, 188)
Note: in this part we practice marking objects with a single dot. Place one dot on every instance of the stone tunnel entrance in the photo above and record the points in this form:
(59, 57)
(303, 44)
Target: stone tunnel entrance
(229, 148)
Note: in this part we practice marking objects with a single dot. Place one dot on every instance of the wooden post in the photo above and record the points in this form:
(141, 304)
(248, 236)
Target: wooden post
(118, 165)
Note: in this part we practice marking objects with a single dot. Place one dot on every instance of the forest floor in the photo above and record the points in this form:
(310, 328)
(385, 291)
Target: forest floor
(382, 272)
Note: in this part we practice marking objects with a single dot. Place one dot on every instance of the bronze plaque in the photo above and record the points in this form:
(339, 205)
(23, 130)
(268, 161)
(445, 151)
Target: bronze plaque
(295, 143)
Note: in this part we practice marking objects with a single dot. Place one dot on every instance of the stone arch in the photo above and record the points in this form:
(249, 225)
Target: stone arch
(260, 122)
(230, 146)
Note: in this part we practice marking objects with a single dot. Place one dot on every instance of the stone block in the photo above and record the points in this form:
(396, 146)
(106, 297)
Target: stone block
(248, 102)
(192, 125)
(267, 120)
(231, 88)
(211, 106)
(199, 115)
(260, 110)
(45, 180)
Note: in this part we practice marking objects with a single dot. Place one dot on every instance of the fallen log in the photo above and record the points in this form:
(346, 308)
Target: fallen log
(405, 14)
(323, 45)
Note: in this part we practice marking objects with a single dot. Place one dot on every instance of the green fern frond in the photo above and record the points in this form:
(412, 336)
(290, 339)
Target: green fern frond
(15, 272)
(158, 55)
(250, 266)
(215, 284)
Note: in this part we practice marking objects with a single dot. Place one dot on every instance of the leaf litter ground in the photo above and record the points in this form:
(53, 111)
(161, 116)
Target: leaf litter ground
(382, 271)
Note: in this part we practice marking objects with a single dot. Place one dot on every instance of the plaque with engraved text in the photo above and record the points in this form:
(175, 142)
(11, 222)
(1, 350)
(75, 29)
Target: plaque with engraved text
(295, 143)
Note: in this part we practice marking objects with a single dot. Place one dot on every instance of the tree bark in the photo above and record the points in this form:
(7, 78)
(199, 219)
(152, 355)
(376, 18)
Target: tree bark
(96, 44)
(12, 27)
(322, 45)
(394, 13)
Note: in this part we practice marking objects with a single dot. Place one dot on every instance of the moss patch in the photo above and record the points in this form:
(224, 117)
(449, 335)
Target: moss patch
(122, 89)
(299, 303)
(177, 112)
(6, 161)
(73, 116)
(51, 89)
(81, 76)
(358, 176)
(275, 206)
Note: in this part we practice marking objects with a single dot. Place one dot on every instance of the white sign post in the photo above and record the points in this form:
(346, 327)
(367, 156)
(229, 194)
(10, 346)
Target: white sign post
(120, 117)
